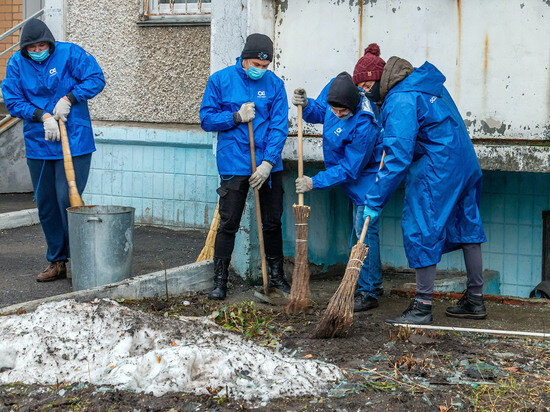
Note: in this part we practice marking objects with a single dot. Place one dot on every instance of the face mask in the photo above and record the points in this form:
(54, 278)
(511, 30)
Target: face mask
(346, 117)
(40, 56)
(254, 73)
(374, 93)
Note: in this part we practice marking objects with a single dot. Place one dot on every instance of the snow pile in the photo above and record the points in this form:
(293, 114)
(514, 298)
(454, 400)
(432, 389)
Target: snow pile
(109, 344)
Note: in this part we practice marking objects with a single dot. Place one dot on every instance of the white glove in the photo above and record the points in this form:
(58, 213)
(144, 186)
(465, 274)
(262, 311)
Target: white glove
(246, 113)
(299, 98)
(304, 184)
(260, 175)
(51, 129)
(62, 109)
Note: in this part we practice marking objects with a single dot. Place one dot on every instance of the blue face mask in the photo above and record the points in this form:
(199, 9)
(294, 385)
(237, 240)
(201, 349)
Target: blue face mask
(40, 56)
(254, 73)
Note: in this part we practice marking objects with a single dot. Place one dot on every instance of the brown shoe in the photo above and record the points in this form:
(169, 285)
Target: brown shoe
(56, 270)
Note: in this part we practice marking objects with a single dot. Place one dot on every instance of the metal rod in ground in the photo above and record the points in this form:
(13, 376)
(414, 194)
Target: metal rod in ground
(300, 291)
(338, 316)
(165, 277)
(475, 330)
(208, 249)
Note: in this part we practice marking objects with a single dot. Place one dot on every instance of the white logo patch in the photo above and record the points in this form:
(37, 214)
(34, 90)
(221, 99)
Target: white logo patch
(53, 72)
(261, 94)
(433, 99)
(338, 131)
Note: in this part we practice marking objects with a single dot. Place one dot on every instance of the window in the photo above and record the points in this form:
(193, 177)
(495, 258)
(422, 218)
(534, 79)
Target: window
(168, 12)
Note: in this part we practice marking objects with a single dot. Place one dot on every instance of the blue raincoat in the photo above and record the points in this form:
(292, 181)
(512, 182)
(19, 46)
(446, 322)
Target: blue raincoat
(225, 92)
(426, 141)
(29, 86)
(352, 148)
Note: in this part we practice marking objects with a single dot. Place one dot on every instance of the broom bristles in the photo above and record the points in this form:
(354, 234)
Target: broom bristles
(207, 251)
(300, 292)
(338, 316)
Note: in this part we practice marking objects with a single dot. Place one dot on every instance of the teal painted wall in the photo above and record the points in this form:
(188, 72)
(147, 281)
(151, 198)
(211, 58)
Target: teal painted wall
(170, 177)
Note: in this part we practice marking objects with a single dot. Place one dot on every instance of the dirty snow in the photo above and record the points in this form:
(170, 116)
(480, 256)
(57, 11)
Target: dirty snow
(108, 344)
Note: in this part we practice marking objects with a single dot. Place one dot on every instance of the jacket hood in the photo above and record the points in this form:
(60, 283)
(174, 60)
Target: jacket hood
(35, 31)
(426, 79)
(396, 70)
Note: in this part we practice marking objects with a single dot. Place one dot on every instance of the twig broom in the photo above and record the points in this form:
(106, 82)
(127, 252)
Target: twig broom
(300, 291)
(338, 316)
(207, 251)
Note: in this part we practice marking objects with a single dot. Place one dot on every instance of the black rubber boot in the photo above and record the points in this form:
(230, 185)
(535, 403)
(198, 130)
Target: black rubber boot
(363, 301)
(221, 274)
(417, 313)
(277, 275)
(469, 306)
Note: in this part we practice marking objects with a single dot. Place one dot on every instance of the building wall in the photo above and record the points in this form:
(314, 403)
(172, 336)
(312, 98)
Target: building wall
(11, 13)
(153, 74)
(477, 45)
(168, 175)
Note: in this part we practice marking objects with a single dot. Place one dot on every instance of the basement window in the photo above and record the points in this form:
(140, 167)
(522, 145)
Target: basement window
(176, 12)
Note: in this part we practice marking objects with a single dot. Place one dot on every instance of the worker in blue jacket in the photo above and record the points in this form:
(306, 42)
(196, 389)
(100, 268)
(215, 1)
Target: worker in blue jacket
(47, 81)
(234, 96)
(426, 142)
(352, 150)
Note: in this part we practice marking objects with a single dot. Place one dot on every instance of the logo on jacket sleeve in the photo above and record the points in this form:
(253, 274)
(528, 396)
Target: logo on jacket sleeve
(53, 72)
(433, 99)
(261, 94)
(338, 131)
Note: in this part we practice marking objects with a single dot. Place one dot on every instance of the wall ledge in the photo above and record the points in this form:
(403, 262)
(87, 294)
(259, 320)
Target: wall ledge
(508, 158)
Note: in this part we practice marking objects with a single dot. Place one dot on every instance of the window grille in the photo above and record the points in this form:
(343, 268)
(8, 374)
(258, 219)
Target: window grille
(176, 7)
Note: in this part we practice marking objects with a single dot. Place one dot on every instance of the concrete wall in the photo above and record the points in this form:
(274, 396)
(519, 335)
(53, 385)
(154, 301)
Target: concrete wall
(154, 74)
(14, 175)
(482, 47)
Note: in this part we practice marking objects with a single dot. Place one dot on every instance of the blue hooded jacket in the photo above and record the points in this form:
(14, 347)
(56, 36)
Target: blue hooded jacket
(426, 141)
(31, 88)
(225, 92)
(352, 148)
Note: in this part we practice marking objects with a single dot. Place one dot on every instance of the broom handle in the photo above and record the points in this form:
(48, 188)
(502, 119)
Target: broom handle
(258, 212)
(367, 220)
(300, 153)
(74, 196)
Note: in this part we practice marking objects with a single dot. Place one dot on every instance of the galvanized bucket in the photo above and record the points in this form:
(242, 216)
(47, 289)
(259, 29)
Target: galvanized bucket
(101, 242)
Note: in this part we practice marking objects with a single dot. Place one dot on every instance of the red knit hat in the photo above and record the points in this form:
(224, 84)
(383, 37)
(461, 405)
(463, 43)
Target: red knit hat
(370, 66)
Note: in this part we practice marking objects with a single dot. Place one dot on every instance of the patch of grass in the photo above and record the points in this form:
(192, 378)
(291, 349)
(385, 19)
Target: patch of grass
(510, 394)
(246, 319)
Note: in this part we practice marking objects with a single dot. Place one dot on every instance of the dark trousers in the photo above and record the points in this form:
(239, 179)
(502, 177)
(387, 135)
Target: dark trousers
(425, 277)
(52, 199)
(233, 191)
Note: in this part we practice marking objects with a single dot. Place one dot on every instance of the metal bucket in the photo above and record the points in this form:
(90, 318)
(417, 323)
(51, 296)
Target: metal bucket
(101, 242)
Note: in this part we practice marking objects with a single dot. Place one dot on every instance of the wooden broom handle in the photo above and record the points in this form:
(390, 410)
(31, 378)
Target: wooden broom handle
(74, 196)
(300, 153)
(258, 211)
(367, 220)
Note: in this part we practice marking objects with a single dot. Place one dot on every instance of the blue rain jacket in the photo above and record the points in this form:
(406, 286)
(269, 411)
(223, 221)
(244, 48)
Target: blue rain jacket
(225, 92)
(352, 148)
(30, 85)
(426, 141)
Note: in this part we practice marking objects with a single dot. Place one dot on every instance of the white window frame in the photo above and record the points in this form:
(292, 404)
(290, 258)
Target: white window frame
(189, 7)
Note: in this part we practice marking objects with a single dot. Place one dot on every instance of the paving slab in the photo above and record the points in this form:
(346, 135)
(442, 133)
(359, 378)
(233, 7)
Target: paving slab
(23, 251)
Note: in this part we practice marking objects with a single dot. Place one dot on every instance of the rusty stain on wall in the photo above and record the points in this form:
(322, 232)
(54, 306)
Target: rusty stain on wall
(485, 65)
(360, 29)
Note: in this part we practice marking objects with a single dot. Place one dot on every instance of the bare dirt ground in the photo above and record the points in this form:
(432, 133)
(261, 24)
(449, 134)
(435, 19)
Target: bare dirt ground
(386, 368)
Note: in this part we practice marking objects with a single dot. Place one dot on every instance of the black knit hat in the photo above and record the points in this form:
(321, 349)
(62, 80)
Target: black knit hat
(35, 31)
(343, 92)
(258, 46)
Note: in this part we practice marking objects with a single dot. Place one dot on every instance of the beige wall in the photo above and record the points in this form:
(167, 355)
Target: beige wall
(153, 74)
